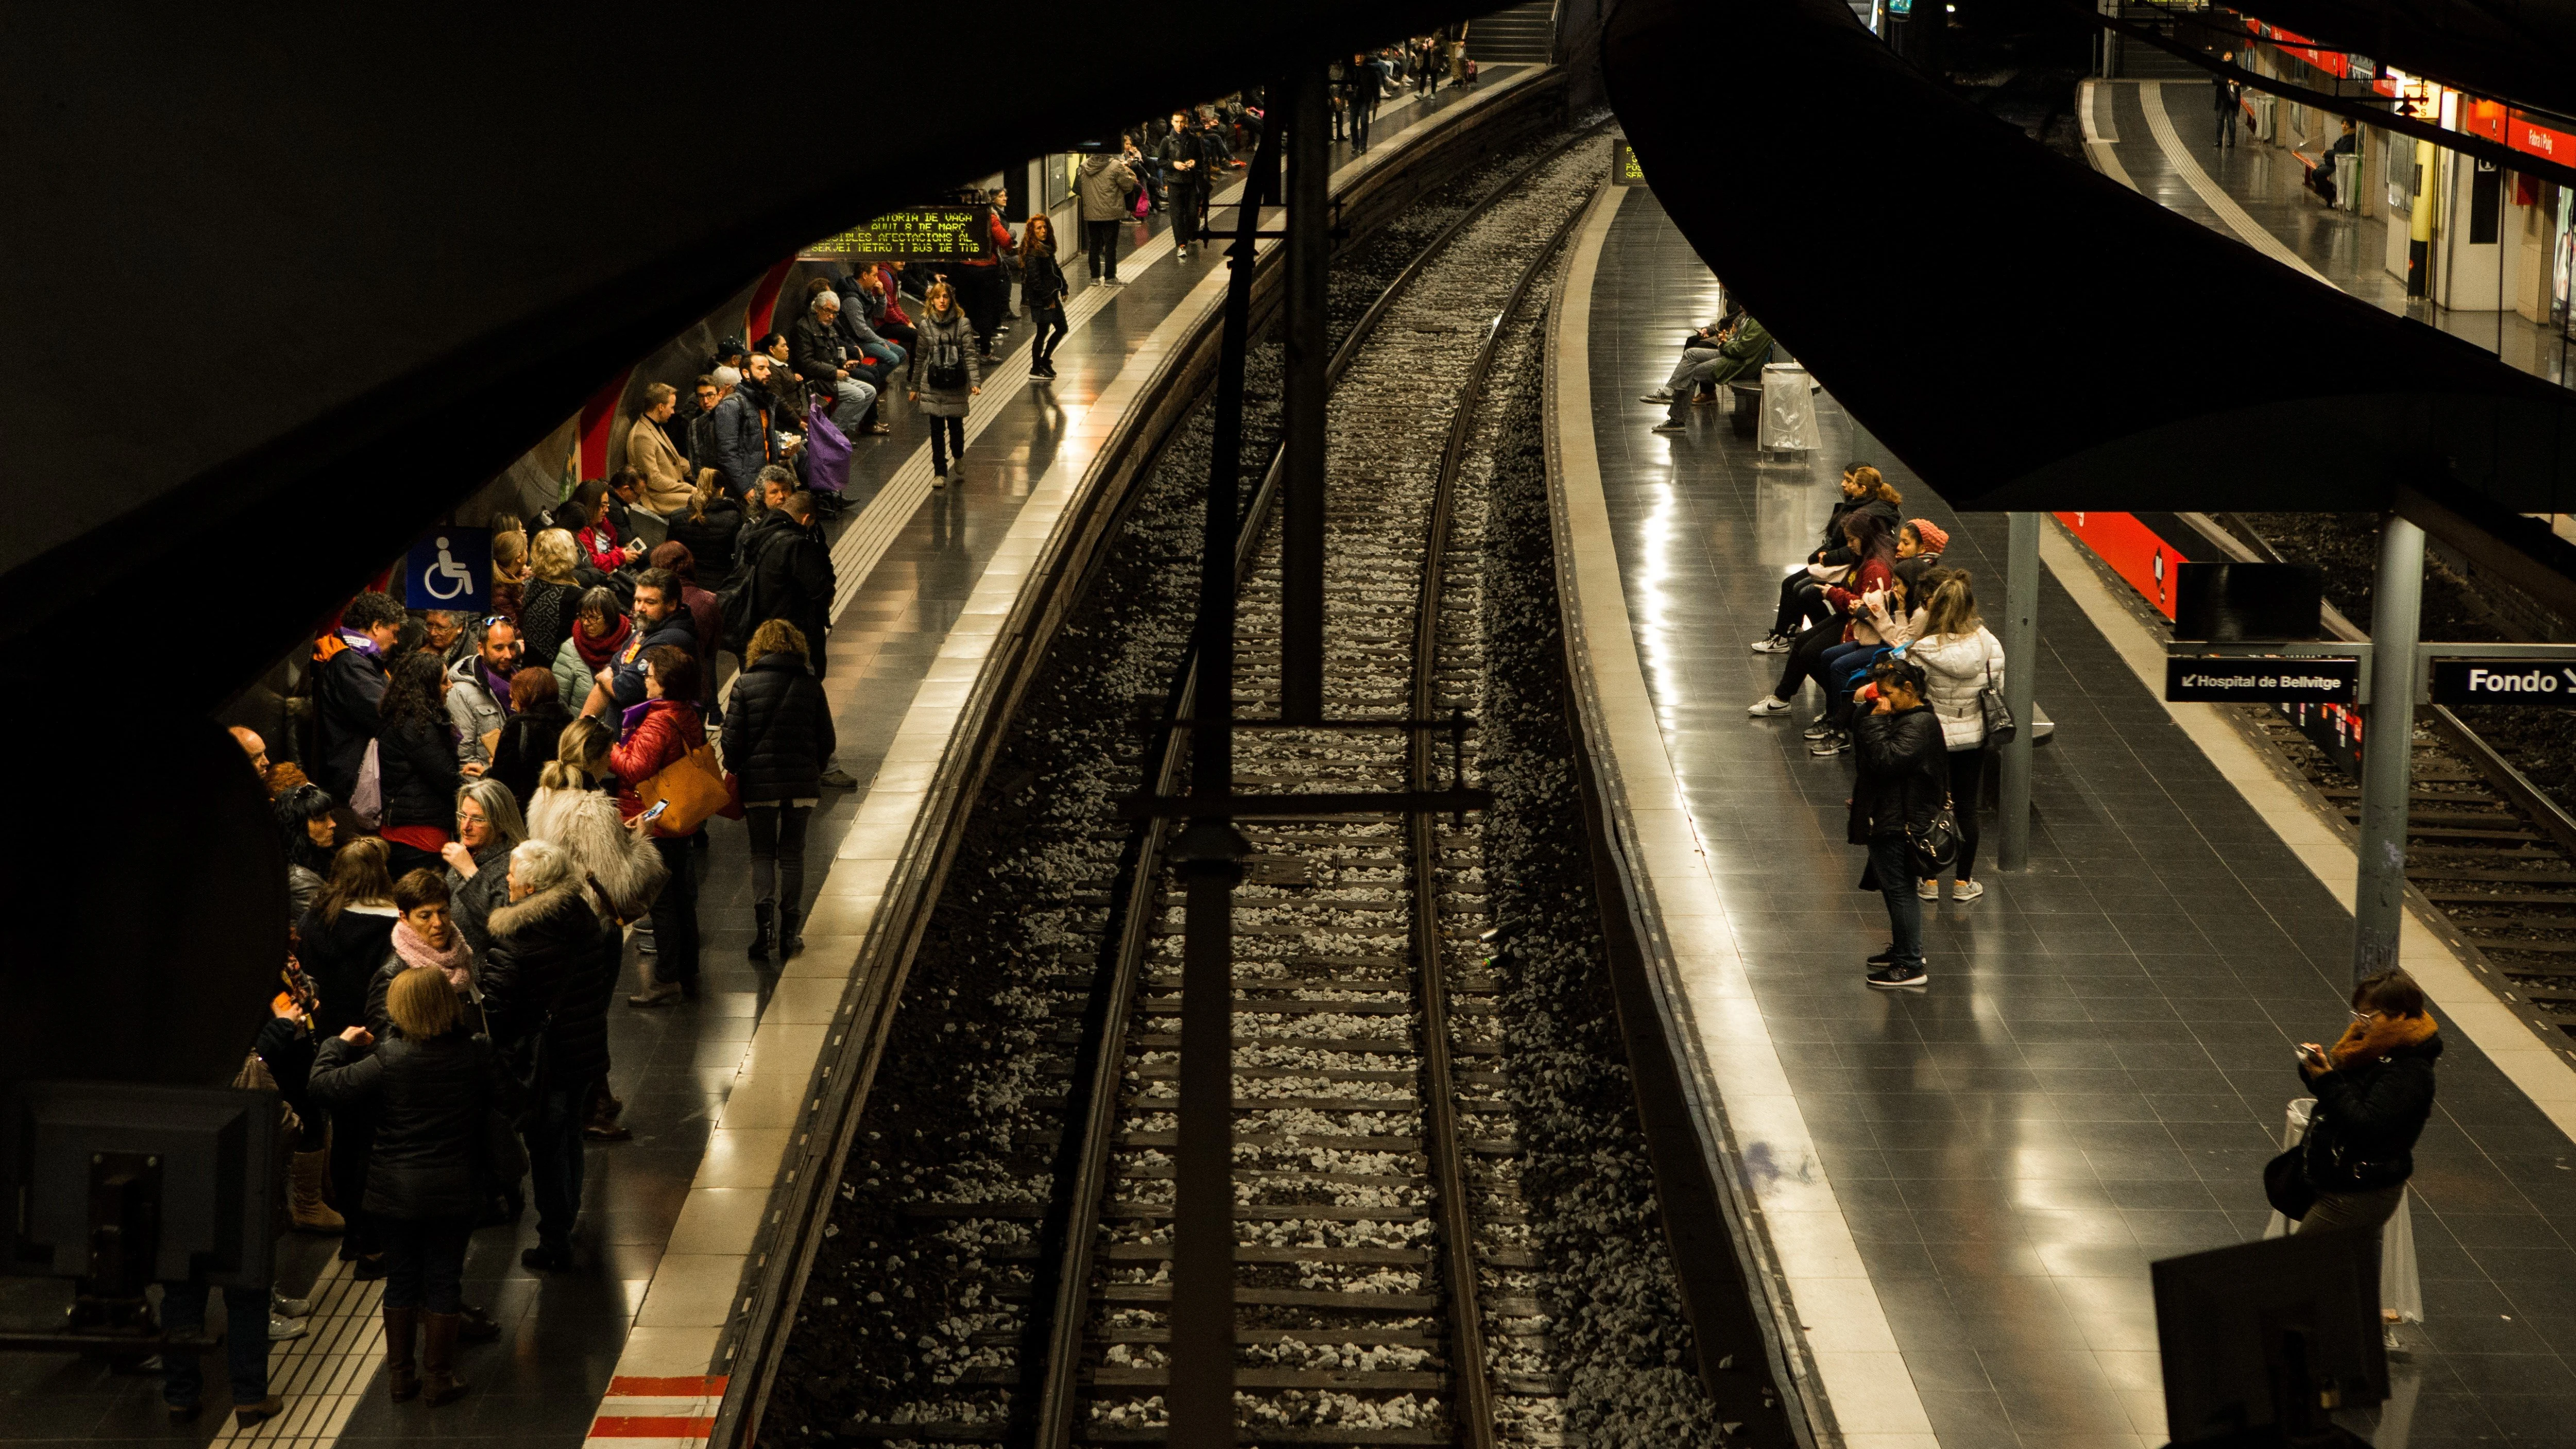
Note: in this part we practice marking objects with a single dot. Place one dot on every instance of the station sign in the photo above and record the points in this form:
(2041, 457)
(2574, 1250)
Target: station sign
(2504, 681)
(2191, 680)
(1624, 170)
(914, 233)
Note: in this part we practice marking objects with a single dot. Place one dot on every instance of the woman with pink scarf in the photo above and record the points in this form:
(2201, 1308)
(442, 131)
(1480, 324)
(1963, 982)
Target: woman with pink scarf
(425, 936)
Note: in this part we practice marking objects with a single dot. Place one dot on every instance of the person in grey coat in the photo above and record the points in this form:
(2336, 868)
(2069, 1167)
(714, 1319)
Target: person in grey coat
(947, 376)
(478, 687)
(1108, 189)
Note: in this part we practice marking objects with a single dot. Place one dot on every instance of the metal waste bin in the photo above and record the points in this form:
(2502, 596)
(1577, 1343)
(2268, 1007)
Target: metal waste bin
(2347, 180)
(1788, 409)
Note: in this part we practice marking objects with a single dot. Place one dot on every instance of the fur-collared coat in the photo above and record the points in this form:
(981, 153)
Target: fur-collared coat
(586, 823)
(547, 973)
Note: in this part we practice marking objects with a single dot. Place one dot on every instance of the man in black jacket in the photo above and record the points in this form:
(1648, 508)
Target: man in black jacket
(1184, 175)
(1904, 779)
(348, 685)
(661, 617)
(790, 567)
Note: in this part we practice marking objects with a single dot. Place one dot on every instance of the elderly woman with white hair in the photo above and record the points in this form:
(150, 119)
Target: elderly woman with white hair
(545, 1005)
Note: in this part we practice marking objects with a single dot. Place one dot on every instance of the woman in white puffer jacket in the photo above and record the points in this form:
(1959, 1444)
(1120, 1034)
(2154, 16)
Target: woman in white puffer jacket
(1959, 658)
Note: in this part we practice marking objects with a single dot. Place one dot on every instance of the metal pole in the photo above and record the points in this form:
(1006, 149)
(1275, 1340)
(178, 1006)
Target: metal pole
(2021, 669)
(2388, 747)
(1301, 536)
(1200, 1399)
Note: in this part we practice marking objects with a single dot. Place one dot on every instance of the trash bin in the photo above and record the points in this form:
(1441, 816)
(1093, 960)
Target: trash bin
(2266, 116)
(1788, 409)
(2347, 180)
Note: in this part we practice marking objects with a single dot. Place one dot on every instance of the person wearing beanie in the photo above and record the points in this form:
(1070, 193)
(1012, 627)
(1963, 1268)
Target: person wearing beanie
(1919, 543)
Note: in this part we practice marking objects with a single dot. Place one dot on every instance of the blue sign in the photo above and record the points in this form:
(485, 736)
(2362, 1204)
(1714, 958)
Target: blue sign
(450, 568)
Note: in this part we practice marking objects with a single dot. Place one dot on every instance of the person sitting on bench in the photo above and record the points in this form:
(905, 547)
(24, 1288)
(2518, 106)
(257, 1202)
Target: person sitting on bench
(1745, 346)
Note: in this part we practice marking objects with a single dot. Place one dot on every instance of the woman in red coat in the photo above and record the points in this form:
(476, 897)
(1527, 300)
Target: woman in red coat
(654, 735)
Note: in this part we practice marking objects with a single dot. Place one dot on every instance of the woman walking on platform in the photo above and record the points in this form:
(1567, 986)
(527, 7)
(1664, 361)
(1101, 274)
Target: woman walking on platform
(1042, 289)
(948, 378)
(1960, 661)
(2374, 1090)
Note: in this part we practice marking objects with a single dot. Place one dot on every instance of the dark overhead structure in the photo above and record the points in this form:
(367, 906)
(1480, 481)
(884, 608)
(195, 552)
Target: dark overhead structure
(346, 267)
(2516, 50)
(2026, 334)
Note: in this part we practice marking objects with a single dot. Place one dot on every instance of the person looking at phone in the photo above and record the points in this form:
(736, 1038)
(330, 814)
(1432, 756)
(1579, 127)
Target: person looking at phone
(2374, 1090)
(1904, 779)
(657, 734)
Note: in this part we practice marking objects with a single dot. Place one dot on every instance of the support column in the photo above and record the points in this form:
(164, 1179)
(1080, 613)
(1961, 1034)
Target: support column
(2388, 747)
(2021, 669)
(1301, 536)
(1200, 1399)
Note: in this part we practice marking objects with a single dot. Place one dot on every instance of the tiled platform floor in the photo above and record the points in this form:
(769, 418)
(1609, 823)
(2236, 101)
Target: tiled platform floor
(2092, 1078)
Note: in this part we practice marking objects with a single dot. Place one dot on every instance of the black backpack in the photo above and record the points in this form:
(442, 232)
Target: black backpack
(738, 602)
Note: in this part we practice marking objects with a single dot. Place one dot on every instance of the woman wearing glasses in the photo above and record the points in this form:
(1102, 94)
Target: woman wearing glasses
(2374, 1090)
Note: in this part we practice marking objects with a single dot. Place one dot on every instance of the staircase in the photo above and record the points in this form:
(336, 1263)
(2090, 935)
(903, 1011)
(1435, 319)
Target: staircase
(1522, 34)
(2141, 61)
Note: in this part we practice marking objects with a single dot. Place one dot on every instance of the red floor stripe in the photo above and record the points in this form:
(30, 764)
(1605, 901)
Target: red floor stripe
(689, 1387)
(638, 1426)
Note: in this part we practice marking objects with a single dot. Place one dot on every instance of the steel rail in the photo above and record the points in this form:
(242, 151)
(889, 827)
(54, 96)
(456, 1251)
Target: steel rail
(1059, 1395)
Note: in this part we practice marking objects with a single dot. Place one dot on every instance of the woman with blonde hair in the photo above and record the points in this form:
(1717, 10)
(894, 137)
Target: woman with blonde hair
(1960, 659)
(946, 376)
(778, 738)
(709, 528)
(428, 1092)
(546, 601)
(664, 484)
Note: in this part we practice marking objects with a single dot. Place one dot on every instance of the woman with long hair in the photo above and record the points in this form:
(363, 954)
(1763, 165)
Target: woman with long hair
(1960, 659)
(1042, 289)
(1872, 546)
(344, 936)
(600, 629)
(708, 529)
(575, 809)
(416, 762)
(528, 738)
(546, 602)
(778, 738)
(428, 1092)
(660, 733)
(945, 376)
(2374, 1089)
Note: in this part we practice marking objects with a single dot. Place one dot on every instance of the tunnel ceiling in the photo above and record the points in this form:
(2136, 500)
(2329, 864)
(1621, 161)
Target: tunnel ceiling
(286, 282)
(2025, 333)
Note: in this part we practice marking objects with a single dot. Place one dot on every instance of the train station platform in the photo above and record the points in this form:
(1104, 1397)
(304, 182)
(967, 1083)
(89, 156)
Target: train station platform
(1959, 1188)
(2155, 137)
(632, 1348)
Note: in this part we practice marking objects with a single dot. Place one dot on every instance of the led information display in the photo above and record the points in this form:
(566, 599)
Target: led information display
(2504, 681)
(916, 233)
(2261, 681)
(1624, 170)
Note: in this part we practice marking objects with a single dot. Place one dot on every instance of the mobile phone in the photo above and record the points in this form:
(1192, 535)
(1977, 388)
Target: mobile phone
(649, 816)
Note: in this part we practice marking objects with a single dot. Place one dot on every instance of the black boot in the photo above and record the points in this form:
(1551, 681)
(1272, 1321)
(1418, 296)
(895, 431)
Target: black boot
(789, 942)
(760, 931)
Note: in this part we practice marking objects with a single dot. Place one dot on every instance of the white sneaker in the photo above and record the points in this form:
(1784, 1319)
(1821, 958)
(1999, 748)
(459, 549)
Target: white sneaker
(1766, 705)
(1659, 395)
(284, 1330)
(1929, 888)
(1965, 890)
(285, 1307)
(1773, 644)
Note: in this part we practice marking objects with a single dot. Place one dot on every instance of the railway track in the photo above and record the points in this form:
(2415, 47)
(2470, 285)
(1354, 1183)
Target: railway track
(1384, 1270)
(2488, 849)
(1381, 1245)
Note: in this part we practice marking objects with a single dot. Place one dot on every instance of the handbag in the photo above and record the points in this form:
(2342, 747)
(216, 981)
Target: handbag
(2285, 1177)
(367, 802)
(1998, 715)
(693, 787)
(1935, 844)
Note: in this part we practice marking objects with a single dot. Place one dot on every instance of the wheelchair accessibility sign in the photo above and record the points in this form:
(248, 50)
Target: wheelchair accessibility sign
(450, 568)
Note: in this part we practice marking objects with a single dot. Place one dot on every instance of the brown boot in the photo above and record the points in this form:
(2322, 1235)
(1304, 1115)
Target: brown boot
(245, 1415)
(308, 1212)
(402, 1374)
(438, 1358)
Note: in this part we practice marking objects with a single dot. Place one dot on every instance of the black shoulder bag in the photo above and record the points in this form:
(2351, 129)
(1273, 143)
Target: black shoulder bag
(1999, 715)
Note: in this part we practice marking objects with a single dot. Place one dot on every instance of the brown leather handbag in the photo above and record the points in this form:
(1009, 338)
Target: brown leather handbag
(693, 787)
